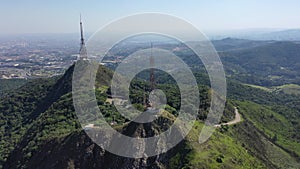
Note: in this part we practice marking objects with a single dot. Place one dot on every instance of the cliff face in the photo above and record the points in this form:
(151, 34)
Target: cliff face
(77, 150)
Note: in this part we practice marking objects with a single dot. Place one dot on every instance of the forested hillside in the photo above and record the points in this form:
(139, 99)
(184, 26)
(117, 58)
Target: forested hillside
(40, 122)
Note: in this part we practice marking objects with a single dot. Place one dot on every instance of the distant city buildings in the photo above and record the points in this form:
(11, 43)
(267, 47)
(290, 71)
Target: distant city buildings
(35, 58)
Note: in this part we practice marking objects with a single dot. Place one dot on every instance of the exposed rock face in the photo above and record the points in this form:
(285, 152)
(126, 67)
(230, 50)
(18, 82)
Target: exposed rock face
(78, 151)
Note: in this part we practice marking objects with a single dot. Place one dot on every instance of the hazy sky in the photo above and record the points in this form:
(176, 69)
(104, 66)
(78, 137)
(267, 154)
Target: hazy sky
(61, 16)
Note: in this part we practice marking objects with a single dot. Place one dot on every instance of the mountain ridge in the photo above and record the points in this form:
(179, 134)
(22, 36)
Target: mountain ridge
(50, 137)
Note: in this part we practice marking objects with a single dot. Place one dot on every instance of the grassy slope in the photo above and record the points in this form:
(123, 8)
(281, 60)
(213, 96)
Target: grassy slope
(261, 147)
(275, 128)
(274, 125)
(220, 151)
(287, 88)
(260, 87)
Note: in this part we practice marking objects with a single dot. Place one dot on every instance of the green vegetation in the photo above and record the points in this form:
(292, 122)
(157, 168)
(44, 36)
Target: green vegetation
(17, 111)
(260, 146)
(289, 89)
(39, 127)
(10, 84)
(272, 64)
(42, 111)
(220, 151)
(275, 126)
(259, 87)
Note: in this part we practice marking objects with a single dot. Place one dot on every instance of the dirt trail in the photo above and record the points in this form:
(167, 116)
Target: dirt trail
(237, 119)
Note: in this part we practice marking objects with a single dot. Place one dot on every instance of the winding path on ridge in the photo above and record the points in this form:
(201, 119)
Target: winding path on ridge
(236, 119)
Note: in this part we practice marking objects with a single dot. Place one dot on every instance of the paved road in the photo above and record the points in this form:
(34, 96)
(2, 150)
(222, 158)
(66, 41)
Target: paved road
(237, 119)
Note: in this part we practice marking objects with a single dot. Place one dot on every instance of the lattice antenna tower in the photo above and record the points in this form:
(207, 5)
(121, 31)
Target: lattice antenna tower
(152, 77)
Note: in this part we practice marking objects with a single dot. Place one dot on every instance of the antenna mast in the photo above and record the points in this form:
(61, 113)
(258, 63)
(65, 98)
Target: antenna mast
(82, 51)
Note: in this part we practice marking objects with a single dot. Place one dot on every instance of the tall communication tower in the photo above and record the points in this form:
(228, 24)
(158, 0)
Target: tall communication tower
(82, 51)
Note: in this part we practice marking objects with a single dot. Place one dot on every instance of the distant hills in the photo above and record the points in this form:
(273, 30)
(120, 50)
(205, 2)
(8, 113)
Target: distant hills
(228, 44)
(284, 35)
(265, 63)
(259, 34)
